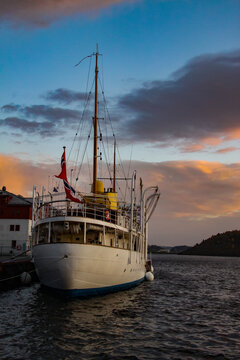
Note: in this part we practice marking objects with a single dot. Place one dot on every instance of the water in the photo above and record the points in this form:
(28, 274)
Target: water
(190, 311)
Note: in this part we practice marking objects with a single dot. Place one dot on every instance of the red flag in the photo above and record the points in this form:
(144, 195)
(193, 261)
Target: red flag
(63, 173)
(69, 190)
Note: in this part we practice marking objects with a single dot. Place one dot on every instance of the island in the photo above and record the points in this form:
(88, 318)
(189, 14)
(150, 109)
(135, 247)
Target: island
(224, 244)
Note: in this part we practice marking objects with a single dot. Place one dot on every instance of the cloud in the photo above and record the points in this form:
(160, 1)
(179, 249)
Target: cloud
(194, 189)
(188, 148)
(197, 109)
(200, 101)
(47, 121)
(227, 150)
(10, 108)
(44, 111)
(189, 189)
(21, 175)
(198, 198)
(51, 113)
(44, 129)
(64, 96)
(41, 13)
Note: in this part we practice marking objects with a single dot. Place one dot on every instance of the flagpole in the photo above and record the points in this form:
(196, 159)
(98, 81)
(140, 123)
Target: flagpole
(95, 127)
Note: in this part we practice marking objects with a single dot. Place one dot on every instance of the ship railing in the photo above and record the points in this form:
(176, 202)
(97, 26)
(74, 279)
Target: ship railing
(62, 208)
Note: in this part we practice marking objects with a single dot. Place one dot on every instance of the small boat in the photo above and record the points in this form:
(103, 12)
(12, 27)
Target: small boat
(87, 244)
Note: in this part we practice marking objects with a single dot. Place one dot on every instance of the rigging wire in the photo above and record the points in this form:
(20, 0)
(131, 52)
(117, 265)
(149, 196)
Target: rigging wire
(107, 157)
(83, 59)
(129, 167)
(89, 170)
(82, 120)
(82, 128)
(83, 123)
(121, 163)
(100, 150)
(85, 103)
(105, 118)
(80, 167)
(106, 154)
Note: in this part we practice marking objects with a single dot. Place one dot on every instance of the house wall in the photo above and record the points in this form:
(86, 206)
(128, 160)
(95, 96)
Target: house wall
(14, 241)
(15, 224)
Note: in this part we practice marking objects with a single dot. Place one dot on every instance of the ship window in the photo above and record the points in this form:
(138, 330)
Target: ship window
(11, 227)
(43, 234)
(17, 228)
(14, 244)
(135, 244)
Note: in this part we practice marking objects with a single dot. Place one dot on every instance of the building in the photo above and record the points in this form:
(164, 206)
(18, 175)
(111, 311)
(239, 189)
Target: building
(15, 223)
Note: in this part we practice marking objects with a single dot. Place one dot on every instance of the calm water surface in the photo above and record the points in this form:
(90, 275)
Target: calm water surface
(190, 311)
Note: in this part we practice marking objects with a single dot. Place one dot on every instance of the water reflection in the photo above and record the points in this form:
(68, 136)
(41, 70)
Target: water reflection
(191, 310)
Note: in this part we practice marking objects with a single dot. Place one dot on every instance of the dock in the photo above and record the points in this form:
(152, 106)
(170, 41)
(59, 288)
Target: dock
(11, 270)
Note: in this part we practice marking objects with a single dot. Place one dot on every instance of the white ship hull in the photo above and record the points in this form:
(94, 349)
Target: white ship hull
(84, 269)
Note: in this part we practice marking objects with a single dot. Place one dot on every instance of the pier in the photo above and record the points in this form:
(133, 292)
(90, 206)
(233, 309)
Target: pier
(16, 271)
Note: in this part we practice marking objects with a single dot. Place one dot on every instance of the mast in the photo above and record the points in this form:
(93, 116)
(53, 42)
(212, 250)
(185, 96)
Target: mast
(95, 125)
(114, 167)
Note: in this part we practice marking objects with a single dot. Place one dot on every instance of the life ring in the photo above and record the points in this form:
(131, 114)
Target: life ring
(107, 215)
(19, 247)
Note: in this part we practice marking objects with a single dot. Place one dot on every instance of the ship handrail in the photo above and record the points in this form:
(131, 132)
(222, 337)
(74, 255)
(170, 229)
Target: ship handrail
(51, 209)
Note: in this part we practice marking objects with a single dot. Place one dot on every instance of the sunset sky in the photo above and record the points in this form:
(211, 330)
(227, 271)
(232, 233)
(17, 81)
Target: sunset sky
(171, 76)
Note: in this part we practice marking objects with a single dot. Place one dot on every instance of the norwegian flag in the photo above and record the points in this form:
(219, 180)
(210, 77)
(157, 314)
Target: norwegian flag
(69, 190)
(63, 173)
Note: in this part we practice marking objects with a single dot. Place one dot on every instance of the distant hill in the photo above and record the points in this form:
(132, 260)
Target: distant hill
(179, 249)
(225, 244)
(155, 249)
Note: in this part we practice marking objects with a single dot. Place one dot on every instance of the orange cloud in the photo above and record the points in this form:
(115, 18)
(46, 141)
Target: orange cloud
(19, 176)
(203, 144)
(233, 134)
(193, 148)
(204, 167)
(195, 189)
(226, 150)
(198, 198)
(212, 141)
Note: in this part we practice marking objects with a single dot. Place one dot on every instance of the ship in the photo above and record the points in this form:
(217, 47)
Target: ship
(87, 244)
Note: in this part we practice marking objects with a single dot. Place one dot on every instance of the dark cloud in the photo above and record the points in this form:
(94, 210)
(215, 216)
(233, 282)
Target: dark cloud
(51, 113)
(201, 100)
(45, 128)
(10, 108)
(46, 121)
(64, 96)
(48, 113)
(41, 13)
